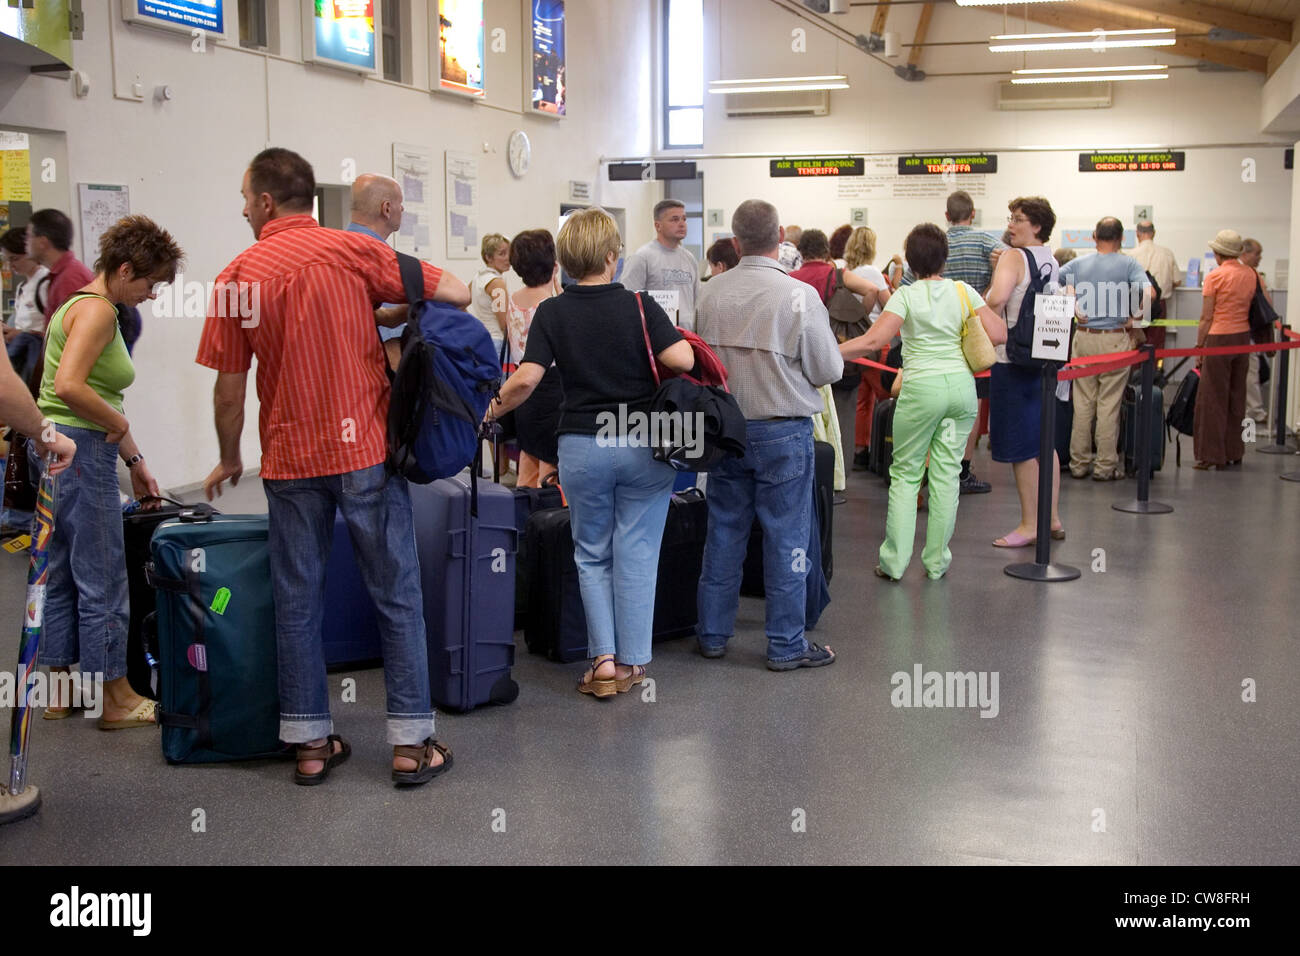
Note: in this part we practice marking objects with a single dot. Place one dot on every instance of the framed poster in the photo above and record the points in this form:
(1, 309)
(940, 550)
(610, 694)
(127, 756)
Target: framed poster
(100, 206)
(183, 16)
(544, 64)
(340, 33)
(462, 206)
(413, 170)
(458, 67)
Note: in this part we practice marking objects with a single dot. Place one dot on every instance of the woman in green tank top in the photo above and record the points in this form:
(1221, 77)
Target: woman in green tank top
(87, 370)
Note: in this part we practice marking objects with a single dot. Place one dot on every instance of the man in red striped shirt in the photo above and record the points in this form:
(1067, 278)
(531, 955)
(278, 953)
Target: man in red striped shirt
(302, 299)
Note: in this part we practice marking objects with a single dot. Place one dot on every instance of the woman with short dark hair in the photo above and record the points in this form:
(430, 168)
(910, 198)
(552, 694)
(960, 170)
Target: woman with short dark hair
(87, 369)
(836, 243)
(1015, 392)
(937, 405)
(722, 256)
(532, 256)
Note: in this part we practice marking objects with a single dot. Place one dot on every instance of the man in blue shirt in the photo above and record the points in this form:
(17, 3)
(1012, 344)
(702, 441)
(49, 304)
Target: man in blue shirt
(377, 212)
(1112, 290)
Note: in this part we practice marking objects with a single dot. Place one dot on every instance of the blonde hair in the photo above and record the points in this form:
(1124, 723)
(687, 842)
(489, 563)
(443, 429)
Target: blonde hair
(861, 248)
(586, 240)
(492, 242)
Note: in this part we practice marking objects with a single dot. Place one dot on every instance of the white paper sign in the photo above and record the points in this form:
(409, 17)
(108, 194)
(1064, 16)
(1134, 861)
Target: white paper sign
(667, 299)
(1052, 317)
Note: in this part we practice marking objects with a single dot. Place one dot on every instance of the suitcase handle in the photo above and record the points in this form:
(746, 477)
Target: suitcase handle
(196, 514)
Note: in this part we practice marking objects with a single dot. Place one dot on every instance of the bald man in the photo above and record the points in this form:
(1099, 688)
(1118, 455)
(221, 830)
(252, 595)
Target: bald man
(377, 212)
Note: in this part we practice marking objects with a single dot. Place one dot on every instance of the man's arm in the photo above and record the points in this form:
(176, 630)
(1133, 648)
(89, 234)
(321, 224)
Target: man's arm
(228, 406)
(19, 411)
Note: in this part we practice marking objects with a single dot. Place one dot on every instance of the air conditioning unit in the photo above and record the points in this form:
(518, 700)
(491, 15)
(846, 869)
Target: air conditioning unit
(782, 103)
(1054, 96)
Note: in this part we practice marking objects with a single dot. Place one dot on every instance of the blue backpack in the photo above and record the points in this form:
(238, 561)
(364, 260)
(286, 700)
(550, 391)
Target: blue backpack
(447, 376)
(1020, 337)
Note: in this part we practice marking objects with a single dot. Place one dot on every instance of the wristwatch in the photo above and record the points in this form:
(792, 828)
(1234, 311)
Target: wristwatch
(133, 461)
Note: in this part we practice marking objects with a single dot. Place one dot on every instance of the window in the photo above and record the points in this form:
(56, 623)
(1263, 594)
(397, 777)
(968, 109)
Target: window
(392, 40)
(253, 32)
(691, 193)
(683, 66)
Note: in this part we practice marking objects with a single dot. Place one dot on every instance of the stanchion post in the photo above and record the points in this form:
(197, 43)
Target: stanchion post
(1280, 374)
(1143, 416)
(1041, 568)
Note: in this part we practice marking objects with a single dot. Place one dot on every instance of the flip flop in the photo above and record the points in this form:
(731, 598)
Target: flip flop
(57, 713)
(1014, 540)
(1058, 534)
(143, 716)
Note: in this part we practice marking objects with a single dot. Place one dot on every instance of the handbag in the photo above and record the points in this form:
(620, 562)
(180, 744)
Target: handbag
(1262, 314)
(976, 346)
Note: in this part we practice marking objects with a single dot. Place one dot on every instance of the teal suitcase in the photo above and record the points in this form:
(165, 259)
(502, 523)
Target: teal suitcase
(219, 698)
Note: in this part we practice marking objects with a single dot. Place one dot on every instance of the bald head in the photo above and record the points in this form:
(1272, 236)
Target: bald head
(1145, 229)
(377, 203)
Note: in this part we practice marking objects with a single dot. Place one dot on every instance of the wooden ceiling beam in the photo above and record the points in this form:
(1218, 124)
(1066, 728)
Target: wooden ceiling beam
(1194, 11)
(922, 27)
(878, 21)
(1081, 19)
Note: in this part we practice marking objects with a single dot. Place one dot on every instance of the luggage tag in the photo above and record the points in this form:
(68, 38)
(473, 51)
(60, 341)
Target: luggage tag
(197, 655)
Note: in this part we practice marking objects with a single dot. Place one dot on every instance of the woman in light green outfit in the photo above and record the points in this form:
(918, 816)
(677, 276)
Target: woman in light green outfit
(936, 408)
(87, 370)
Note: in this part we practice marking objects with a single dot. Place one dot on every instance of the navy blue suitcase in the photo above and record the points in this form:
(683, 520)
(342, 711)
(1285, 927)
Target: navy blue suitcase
(528, 500)
(350, 627)
(466, 539)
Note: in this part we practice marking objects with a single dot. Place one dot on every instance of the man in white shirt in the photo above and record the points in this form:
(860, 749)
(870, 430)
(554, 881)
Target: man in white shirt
(663, 266)
(787, 253)
(24, 338)
(1251, 253)
(1162, 265)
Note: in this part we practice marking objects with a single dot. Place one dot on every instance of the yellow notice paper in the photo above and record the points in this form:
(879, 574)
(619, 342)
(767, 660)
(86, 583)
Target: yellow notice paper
(15, 175)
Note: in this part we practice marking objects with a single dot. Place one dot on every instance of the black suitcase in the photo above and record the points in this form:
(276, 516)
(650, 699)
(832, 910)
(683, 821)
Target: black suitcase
(881, 453)
(557, 623)
(527, 501)
(1128, 428)
(751, 582)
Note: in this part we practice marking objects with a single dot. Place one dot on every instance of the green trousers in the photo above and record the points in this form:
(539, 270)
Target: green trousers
(934, 415)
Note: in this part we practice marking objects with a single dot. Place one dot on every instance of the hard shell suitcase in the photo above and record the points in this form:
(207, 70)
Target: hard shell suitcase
(350, 625)
(216, 638)
(557, 622)
(466, 539)
(881, 452)
(1128, 428)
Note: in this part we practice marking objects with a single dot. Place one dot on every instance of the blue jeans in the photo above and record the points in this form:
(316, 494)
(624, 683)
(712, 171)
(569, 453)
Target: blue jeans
(87, 603)
(774, 480)
(377, 509)
(23, 350)
(618, 503)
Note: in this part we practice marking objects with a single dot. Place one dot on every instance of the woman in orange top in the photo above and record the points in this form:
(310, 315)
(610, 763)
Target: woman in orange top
(1225, 320)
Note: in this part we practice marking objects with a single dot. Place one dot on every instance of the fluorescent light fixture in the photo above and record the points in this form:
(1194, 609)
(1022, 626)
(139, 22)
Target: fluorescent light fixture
(1096, 41)
(1000, 3)
(775, 84)
(1026, 80)
(1090, 69)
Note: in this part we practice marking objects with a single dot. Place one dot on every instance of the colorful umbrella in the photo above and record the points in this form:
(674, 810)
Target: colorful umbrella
(39, 570)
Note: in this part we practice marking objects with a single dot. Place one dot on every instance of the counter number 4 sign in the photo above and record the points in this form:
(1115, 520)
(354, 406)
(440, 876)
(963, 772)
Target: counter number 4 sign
(1053, 315)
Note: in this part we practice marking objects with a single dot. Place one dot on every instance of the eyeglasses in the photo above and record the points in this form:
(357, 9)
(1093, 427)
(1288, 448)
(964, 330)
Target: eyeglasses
(1012, 220)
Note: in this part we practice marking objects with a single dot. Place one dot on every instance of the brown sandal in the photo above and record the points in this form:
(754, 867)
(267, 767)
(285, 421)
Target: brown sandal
(625, 684)
(326, 753)
(598, 687)
(424, 770)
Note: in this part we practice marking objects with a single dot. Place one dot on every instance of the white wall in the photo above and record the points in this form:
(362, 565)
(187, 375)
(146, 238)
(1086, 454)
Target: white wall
(882, 113)
(183, 160)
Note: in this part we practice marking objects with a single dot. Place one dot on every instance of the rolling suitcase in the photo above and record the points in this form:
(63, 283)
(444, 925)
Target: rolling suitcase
(1128, 428)
(350, 628)
(881, 452)
(141, 642)
(528, 500)
(216, 638)
(466, 539)
(557, 622)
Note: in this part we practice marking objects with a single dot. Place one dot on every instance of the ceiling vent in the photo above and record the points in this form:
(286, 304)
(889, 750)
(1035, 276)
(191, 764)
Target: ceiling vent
(1051, 96)
(781, 103)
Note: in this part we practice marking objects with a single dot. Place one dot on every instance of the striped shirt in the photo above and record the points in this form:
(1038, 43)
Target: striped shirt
(302, 300)
(968, 258)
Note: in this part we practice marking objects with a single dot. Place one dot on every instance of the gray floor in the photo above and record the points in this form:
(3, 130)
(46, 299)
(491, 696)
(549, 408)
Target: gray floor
(1121, 735)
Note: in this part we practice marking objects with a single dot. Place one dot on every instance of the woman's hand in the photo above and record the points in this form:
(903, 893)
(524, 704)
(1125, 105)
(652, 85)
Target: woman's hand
(144, 486)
